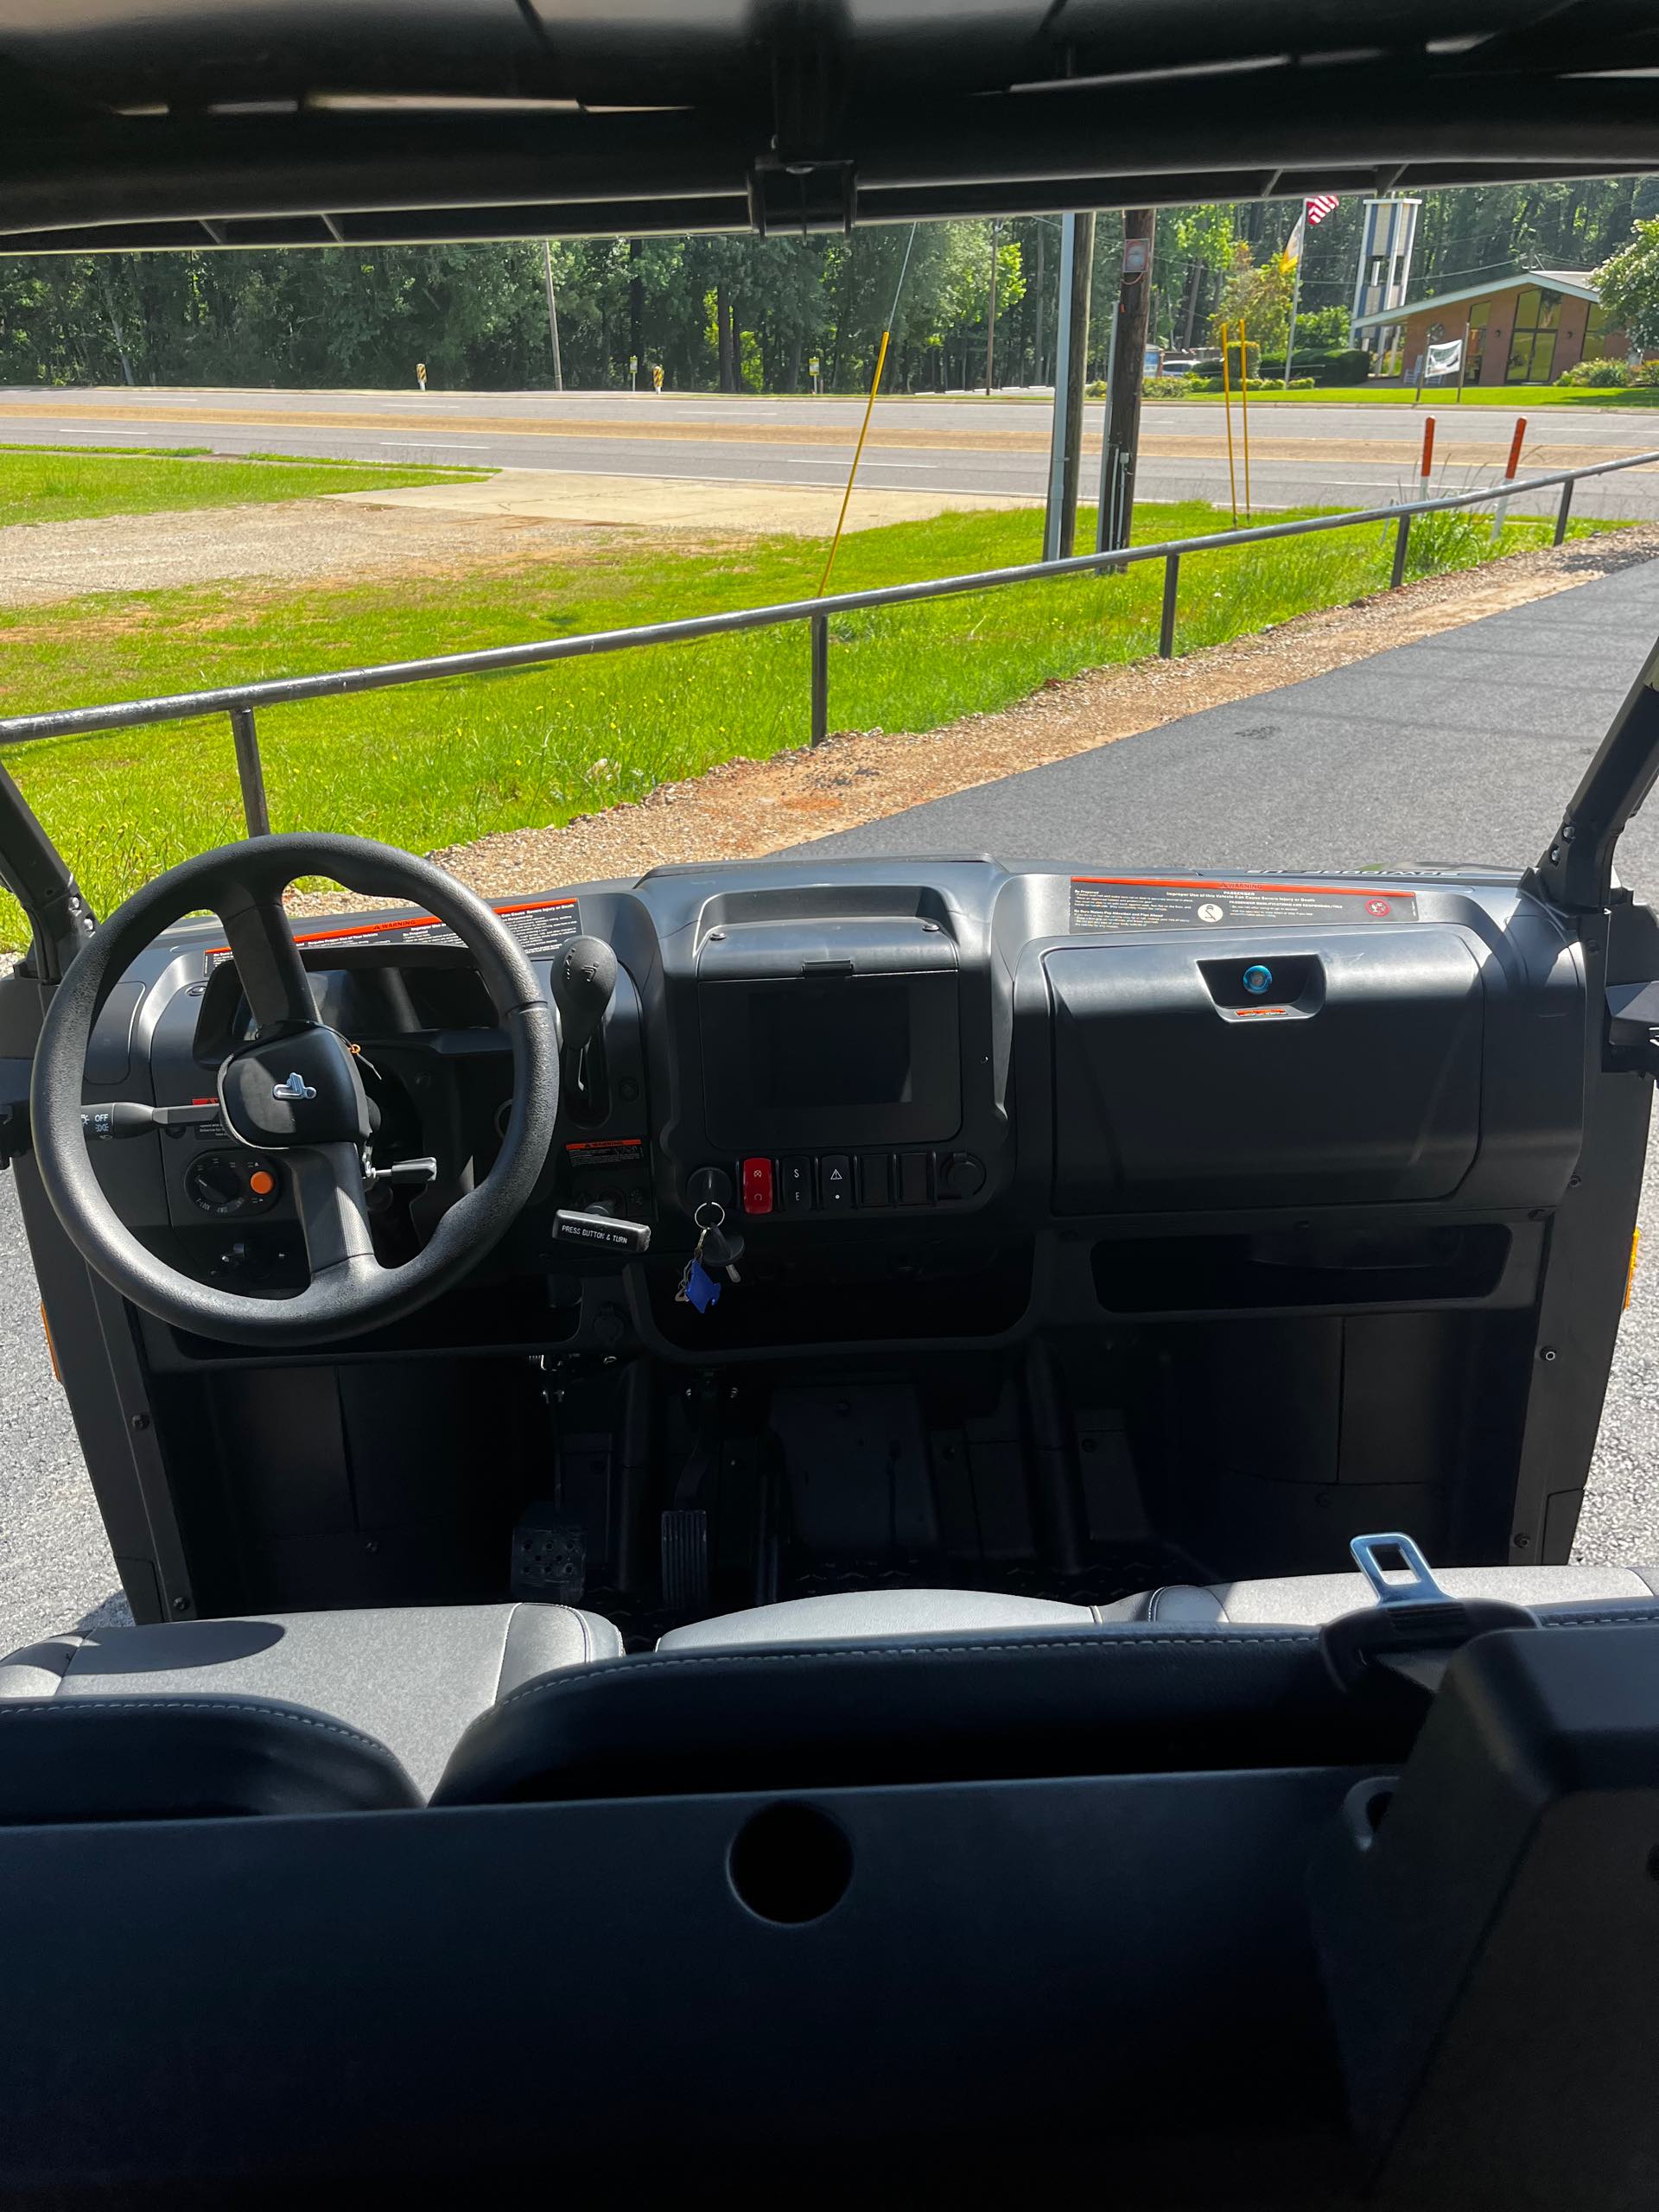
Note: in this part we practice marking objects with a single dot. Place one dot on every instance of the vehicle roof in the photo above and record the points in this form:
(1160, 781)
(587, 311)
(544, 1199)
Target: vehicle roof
(220, 122)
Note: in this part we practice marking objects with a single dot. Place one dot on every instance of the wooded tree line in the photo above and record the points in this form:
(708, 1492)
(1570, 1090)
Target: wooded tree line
(726, 313)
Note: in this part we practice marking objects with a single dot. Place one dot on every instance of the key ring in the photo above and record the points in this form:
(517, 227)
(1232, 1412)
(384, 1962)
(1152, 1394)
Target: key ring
(720, 1215)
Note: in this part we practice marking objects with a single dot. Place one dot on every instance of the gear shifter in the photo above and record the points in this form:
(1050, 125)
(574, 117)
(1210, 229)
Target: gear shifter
(584, 982)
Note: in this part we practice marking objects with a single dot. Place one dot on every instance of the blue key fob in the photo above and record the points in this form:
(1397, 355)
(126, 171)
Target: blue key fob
(701, 1288)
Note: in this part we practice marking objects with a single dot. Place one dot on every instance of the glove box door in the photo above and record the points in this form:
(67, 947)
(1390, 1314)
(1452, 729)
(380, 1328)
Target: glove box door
(1183, 1081)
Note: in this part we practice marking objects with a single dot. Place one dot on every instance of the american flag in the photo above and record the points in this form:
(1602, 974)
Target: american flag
(1321, 205)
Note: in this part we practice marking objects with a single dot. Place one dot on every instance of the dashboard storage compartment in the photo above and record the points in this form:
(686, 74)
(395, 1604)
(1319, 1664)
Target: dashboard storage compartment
(1352, 1078)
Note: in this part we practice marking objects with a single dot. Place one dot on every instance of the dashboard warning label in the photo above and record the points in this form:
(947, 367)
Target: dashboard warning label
(539, 925)
(1153, 902)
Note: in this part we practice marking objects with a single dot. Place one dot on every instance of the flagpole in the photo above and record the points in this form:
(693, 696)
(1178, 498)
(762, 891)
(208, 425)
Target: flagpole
(1295, 299)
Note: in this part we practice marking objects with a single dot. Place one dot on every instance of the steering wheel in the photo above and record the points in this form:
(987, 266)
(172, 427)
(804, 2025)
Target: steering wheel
(294, 1090)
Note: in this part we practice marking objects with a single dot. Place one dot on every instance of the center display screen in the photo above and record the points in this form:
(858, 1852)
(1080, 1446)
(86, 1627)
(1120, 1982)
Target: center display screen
(817, 1045)
(804, 1063)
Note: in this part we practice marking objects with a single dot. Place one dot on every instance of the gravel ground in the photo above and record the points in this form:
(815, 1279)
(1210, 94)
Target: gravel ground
(292, 541)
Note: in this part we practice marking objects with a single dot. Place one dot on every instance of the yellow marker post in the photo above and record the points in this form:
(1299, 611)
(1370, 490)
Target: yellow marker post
(1227, 409)
(1244, 411)
(858, 454)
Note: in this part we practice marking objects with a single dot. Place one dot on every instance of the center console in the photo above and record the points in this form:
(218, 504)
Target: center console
(832, 1063)
(843, 1043)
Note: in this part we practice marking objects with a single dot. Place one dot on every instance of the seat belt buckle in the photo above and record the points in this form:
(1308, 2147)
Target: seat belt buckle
(1408, 1637)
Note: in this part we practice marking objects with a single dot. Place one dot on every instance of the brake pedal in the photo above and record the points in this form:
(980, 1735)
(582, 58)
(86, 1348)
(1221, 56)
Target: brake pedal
(550, 1557)
(685, 1559)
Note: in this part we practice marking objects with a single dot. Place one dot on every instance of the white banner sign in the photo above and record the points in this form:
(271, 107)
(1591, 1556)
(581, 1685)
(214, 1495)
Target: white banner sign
(1444, 361)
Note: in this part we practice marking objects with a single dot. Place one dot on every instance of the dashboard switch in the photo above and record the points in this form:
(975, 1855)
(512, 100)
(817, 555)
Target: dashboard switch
(913, 1190)
(795, 1178)
(836, 1182)
(875, 1179)
(757, 1186)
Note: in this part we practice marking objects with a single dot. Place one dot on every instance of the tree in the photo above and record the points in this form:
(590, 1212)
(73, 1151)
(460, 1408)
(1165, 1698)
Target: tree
(1201, 240)
(1260, 298)
(1629, 283)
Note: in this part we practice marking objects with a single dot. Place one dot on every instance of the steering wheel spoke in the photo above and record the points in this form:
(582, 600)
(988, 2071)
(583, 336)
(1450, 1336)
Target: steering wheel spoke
(332, 1200)
(268, 961)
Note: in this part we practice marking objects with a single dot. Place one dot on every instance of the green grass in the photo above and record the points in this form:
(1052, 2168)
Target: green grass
(56, 484)
(1521, 397)
(440, 763)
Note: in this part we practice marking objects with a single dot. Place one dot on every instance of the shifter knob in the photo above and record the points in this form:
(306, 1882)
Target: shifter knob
(584, 978)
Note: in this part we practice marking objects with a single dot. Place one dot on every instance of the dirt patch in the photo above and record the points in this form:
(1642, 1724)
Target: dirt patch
(745, 809)
(287, 541)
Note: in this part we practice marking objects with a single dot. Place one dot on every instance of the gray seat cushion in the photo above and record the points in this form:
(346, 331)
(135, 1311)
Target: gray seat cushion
(1311, 1601)
(413, 1677)
(873, 1615)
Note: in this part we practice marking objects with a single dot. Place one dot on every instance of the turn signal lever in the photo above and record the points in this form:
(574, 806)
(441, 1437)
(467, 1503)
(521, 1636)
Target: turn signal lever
(584, 983)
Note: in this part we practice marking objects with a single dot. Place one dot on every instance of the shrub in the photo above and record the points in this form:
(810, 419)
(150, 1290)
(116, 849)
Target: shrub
(1646, 374)
(1354, 367)
(1601, 376)
(1301, 383)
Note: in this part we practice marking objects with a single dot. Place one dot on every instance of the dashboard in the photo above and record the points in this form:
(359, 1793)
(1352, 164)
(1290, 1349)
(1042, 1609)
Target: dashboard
(940, 1102)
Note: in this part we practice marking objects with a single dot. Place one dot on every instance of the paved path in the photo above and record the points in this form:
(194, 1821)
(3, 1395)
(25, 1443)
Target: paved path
(1337, 456)
(1461, 747)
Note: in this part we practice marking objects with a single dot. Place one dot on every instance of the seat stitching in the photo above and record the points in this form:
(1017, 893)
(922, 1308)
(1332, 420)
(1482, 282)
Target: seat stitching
(1634, 1616)
(1266, 1639)
(38, 1708)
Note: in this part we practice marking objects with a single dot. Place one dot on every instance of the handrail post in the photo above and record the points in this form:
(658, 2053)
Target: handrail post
(818, 629)
(1402, 537)
(250, 772)
(1166, 621)
(1563, 511)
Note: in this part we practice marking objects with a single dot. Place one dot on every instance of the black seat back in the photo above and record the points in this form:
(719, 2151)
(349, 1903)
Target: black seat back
(1126, 1700)
(142, 1758)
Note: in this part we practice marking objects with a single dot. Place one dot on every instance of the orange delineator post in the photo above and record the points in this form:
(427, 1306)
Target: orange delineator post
(1500, 512)
(1428, 449)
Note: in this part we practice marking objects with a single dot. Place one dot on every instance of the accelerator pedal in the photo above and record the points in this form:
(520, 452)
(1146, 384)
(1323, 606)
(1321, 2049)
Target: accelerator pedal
(685, 1559)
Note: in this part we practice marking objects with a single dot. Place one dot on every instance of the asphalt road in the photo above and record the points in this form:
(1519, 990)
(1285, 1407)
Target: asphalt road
(1336, 455)
(1462, 747)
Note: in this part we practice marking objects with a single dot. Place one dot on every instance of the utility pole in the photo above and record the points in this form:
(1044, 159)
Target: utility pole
(1065, 439)
(636, 310)
(552, 315)
(1122, 438)
(990, 327)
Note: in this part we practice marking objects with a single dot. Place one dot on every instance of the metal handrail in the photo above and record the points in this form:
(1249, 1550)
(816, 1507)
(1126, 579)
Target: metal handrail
(239, 701)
